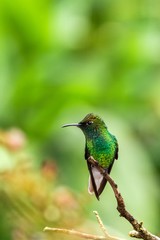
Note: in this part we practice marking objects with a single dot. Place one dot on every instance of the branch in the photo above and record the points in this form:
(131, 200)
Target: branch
(85, 235)
(139, 231)
(75, 233)
(107, 236)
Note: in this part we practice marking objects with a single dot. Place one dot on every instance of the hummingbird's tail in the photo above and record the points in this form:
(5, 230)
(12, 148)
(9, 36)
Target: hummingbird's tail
(96, 182)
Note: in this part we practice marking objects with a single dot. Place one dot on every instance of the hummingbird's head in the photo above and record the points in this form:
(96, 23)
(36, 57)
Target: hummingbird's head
(90, 125)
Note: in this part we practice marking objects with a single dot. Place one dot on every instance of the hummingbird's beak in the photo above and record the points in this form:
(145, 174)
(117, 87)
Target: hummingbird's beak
(72, 124)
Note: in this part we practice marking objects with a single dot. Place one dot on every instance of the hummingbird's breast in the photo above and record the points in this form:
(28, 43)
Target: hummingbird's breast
(102, 150)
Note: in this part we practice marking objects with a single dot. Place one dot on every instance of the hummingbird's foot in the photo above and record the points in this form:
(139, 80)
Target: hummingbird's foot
(92, 160)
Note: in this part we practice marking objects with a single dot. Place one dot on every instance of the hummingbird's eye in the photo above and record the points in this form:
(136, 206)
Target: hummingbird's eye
(89, 122)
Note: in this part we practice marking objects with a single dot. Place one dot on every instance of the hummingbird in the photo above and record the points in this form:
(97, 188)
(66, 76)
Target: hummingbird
(102, 146)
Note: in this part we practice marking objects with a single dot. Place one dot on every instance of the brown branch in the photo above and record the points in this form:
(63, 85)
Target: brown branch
(139, 231)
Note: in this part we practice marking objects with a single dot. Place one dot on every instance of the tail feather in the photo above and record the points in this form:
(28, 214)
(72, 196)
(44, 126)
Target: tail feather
(102, 186)
(99, 182)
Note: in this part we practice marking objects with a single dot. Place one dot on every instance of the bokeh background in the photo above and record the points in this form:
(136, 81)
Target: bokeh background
(60, 60)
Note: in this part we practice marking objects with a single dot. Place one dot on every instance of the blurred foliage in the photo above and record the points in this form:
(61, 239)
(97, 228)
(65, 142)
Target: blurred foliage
(60, 60)
(31, 199)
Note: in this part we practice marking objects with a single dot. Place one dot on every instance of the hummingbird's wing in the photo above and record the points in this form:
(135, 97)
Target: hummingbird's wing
(117, 149)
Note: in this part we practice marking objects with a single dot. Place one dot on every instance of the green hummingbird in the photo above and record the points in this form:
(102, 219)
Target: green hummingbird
(102, 146)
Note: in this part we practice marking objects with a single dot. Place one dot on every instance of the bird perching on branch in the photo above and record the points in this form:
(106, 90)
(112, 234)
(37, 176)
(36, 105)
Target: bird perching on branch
(102, 146)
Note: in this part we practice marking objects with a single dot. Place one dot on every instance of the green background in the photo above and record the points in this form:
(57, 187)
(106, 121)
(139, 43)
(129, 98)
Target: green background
(60, 60)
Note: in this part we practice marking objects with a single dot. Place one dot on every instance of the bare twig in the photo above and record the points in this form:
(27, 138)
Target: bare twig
(75, 233)
(139, 230)
(109, 237)
(85, 235)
